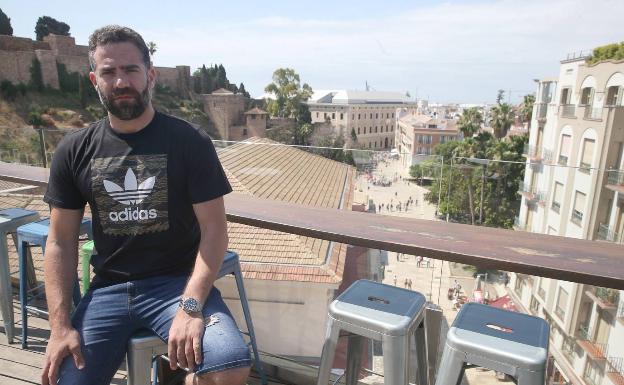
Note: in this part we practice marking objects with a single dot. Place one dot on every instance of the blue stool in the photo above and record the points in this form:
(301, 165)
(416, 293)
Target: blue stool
(145, 346)
(10, 220)
(36, 234)
(512, 343)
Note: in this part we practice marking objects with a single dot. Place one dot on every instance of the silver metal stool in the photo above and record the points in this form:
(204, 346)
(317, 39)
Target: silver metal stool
(383, 313)
(512, 343)
(10, 220)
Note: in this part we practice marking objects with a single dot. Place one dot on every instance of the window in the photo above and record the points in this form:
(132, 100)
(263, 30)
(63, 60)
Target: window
(587, 154)
(534, 305)
(565, 95)
(358, 130)
(593, 373)
(519, 286)
(562, 302)
(541, 290)
(564, 152)
(393, 115)
(375, 144)
(587, 96)
(341, 116)
(376, 115)
(579, 205)
(324, 115)
(375, 129)
(369, 144)
(370, 130)
(557, 196)
(244, 132)
(358, 116)
(614, 96)
(333, 115)
(387, 116)
(371, 115)
(391, 128)
(317, 114)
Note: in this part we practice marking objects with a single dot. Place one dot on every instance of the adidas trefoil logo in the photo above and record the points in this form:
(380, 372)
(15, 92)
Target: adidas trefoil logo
(132, 193)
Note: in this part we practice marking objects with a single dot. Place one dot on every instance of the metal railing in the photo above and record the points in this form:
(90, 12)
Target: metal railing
(586, 334)
(541, 111)
(606, 234)
(608, 296)
(541, 293)
(593, 113)
(547, 155)
(568, 110)
(577, 216)
(584, 167)
(615, 177)
(563, 160)
(531, 194)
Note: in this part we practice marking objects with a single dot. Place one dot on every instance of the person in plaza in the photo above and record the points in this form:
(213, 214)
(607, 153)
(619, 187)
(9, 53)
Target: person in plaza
(155, 188)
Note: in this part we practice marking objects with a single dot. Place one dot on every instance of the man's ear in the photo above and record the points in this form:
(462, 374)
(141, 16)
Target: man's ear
(151, 76)
(93, 79)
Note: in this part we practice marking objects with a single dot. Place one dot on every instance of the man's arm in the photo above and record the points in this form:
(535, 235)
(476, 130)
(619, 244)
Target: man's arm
(185, 335)
(60, 262)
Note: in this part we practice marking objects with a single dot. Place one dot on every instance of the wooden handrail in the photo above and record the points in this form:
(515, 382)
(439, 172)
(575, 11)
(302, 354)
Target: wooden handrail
(569, 259)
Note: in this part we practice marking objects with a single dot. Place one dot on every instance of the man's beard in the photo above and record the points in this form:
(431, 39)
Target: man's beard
(126, 109)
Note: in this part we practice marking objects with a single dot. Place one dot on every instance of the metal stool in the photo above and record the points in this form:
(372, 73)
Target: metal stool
(36, 234)
(384, 313)
(10, 220)
(512, 343)
(145, 345)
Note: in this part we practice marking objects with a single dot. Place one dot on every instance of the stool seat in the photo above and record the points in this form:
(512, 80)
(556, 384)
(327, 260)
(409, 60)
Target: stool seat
(10, 220)
(512, 343)
(389, 314)
(378, 308)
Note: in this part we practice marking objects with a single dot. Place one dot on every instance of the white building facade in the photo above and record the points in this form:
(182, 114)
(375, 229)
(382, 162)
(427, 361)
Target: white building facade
(574, 187)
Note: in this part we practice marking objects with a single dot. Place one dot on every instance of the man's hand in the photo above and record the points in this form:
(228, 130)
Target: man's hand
(61, 344)
(185, 340)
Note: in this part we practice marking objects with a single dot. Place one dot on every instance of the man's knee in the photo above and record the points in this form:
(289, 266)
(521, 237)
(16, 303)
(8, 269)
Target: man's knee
(236, 376)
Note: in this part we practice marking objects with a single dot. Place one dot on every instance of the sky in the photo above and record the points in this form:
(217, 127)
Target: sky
(443, 51)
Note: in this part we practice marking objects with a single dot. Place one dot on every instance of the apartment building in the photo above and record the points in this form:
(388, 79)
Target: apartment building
(370, 114)
(574, 187)
(417, 135)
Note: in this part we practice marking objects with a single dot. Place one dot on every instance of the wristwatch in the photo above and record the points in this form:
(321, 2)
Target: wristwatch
(190, 305)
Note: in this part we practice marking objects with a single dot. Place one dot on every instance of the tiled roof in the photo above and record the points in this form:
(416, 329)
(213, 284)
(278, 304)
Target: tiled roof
(264, 169)
(256, 111)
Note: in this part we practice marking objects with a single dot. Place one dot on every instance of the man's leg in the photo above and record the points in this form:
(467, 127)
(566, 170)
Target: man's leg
(103, 321)
(225, 355)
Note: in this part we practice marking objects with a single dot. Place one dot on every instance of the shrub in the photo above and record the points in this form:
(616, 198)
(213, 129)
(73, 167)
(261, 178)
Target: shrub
(8, 90)
(36, 77)
(613, 51)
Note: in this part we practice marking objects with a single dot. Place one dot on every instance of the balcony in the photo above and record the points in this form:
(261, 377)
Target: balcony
(537, 154)
(606, 234)
(615, 370)
(597, 351)
(541, 112)
(592, 113)
(562, 160)
(615, 180)
(568, 111)
(531, 195)
(607, 299)
(262, 219)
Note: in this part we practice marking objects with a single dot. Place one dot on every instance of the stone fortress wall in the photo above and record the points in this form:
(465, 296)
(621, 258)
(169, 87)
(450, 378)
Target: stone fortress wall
(17, 54)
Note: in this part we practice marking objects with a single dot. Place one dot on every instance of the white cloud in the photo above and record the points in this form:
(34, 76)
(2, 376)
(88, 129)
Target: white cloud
(461, 52)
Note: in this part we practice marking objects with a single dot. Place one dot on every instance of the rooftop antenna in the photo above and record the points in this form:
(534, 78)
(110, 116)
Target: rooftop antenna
(367, 86)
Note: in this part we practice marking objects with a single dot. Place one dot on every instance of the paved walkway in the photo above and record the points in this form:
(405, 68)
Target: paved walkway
(432, 279)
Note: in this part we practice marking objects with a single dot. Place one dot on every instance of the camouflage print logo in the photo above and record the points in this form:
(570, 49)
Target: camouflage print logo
(140, 206)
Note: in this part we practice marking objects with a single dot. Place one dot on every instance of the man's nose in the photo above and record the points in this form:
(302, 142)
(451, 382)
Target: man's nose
(121, 81)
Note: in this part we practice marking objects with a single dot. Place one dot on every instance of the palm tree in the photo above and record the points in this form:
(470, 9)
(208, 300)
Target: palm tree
(151, 47)
(470, 122)
(526, 108)
(502, 118)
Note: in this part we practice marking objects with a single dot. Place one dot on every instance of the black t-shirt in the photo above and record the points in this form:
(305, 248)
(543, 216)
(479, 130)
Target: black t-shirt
(140, 188)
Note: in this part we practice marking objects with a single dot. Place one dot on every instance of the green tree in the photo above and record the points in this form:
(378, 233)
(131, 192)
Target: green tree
(47, 25)
(242, 90)
(502, 118)
(526, 108)
(152, 48)
(5, 24)
(470, 122)
(36, 76)
(288, 91)
(353, 135)
(500, 96)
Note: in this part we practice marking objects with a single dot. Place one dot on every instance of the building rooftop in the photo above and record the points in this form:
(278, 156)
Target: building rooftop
(358, 97)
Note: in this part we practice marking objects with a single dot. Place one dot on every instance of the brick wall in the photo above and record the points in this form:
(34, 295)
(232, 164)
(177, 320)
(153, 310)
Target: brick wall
(225, 111)
(15, 66)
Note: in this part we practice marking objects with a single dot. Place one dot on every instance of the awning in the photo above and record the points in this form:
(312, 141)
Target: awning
(504, 302)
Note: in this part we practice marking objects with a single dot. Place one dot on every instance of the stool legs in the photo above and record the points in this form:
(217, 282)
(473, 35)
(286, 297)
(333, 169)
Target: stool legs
(421, 354)
(139, 366)
(451, 368)
(329, 351)
(354, 358)
(395, 358)
(6, 305)
(22, 254)
(238, 276)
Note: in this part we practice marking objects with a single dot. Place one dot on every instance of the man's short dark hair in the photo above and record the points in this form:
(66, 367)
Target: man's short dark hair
(116, 34)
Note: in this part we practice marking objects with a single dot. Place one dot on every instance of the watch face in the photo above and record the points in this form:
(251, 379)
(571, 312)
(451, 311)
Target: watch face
(190, 305)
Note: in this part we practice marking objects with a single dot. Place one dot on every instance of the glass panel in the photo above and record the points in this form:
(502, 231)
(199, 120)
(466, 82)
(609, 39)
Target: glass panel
(588, 153)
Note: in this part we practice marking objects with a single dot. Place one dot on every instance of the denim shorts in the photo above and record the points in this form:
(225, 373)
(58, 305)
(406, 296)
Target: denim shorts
(108, 316)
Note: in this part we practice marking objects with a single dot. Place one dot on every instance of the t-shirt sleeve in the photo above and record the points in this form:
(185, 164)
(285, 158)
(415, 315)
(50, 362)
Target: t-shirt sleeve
(62, 190)
(206, 178)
